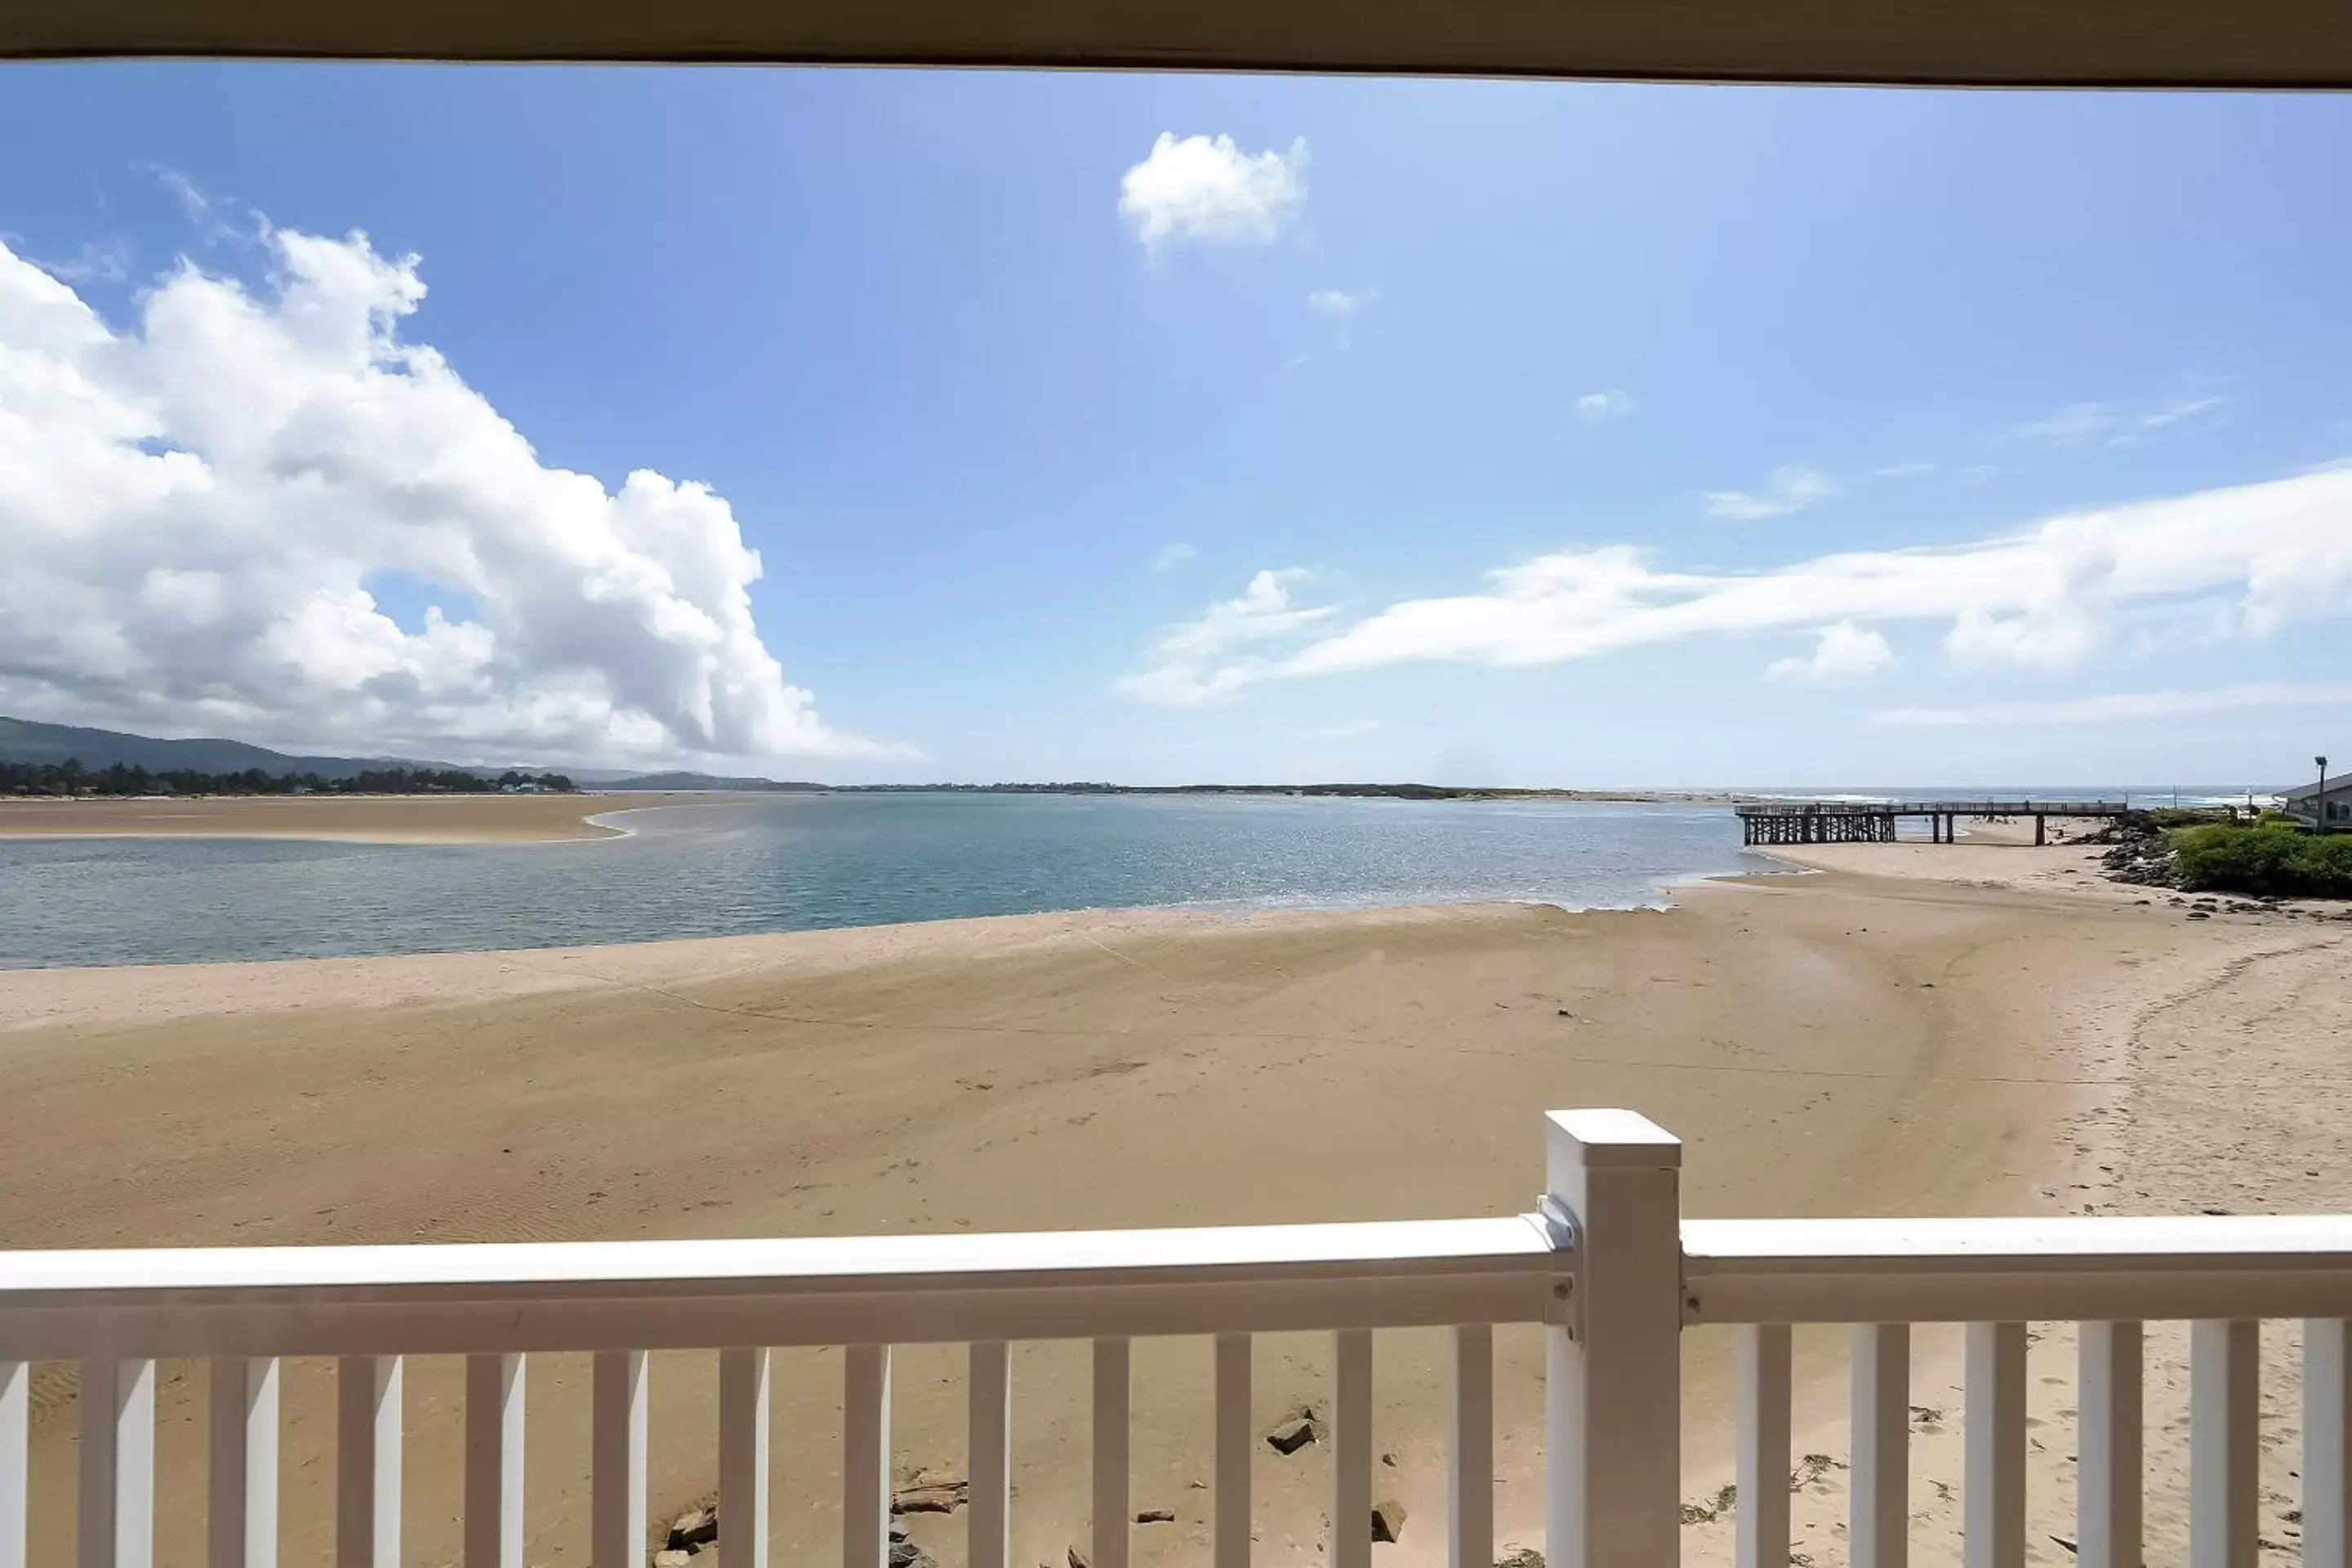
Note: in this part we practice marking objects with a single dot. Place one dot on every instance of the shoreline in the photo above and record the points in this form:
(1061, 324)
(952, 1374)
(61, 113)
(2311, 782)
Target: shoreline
(522, 819)
(421, 820)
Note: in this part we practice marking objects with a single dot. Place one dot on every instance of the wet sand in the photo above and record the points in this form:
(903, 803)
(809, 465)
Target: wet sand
(342, 818)
(1827, 1044)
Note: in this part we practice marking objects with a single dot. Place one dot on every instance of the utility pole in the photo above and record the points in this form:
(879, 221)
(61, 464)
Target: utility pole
(2319, 801)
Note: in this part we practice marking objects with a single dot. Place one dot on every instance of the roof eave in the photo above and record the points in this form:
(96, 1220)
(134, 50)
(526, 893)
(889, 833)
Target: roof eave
(2279, 43)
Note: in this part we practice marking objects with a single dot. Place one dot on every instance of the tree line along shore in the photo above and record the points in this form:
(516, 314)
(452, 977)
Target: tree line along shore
(69, 778)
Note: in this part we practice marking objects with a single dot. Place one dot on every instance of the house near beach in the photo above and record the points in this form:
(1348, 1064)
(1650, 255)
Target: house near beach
(2326, 804)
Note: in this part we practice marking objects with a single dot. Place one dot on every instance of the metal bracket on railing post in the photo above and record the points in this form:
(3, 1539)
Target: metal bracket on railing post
(1558, 1227)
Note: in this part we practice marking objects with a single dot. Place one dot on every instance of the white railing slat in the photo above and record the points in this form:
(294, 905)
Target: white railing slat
(1879, 1535)
(2225, 1364)
(1994, 1489)
(1470, 1449)
(1235, 1441)
(16, 1457)
(496, 1390)
(2327, 1443)
(2108, 1496)
(743, 1457)
(1351, 1448)
(118, 1455)
(1111, 1457)
(1762, 1499)
(241, 1520)
(367, 1461)
(118, 1464)
(617, 1447)
(865, 1457)
(989, 1531)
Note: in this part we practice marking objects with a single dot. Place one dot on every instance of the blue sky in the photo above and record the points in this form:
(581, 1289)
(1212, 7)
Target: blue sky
(1004, 446)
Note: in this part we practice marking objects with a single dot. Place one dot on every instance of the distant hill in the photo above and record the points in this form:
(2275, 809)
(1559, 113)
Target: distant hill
(23, 741)
(705, 782)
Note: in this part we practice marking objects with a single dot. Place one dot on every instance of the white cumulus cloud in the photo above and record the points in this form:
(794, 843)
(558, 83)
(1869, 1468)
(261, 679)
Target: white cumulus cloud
(1793, 489)
(1842, 651)
(2244, 562)
(1612, 404)
(1207, 188)
(194, 506)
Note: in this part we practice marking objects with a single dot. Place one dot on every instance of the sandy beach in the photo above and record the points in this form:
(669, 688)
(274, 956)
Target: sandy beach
(348, 820)
(1909, 1037)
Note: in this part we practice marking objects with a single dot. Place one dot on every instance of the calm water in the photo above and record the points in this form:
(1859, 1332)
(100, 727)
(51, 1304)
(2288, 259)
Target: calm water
(800, 863)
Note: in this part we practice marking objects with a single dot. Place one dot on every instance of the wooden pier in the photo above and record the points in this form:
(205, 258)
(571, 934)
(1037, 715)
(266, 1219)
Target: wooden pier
(1873, 821)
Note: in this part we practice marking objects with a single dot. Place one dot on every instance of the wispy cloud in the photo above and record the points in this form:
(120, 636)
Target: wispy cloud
(2174, 413)
(1207, 189)
(193, 201)
(1346, 730)
(1791, 489)
(1340, 304)
(94, 263)
(2124, 706)
(2249, 560)
(1341, 309)
(1612, 403)
(202, 210)
(1174, 554)
(2082, 424)
(1842, 652)
(1206, 660)
(1902, 471)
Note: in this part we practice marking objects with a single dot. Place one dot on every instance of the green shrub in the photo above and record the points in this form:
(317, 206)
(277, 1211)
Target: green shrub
(2263, 859)
(2189, 815)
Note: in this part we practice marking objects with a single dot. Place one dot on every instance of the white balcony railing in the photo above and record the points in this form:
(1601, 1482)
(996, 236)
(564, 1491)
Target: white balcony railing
(1606, 1263)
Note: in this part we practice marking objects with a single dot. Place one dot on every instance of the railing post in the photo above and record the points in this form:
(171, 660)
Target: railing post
(2224, 1436)
(1762, 1527)
(742, 1456)
(495, 1389)
(15, 1453)
(866, 1456)
(1113, 1389)
(118, 1464)
(989, 1540)
(1612, 1415)
(1470, 1449)
(2108, 1489)
(617, 1468)
(368, 1397)
(1878, 1534)
(2327, 1443)
(242, 1523)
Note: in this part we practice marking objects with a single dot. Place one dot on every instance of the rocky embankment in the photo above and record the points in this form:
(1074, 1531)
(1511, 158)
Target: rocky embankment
(2139, 854)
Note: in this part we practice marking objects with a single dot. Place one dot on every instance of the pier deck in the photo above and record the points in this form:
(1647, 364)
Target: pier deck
(1873, 821)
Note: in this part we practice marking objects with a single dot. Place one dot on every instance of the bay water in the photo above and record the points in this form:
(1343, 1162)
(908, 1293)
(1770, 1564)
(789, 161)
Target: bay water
(803, 862)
